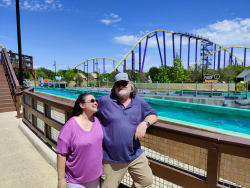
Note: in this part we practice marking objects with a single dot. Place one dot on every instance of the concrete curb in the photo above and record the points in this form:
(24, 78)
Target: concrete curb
(49, 155)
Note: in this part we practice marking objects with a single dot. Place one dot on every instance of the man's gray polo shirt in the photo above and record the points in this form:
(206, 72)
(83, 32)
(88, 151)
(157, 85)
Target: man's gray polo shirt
(119, 126)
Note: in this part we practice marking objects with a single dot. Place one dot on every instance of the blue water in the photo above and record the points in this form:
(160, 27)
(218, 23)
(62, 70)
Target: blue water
(222, 119)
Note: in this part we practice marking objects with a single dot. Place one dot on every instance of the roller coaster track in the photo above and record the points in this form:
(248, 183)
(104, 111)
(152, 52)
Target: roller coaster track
(222, 48)
(194, 37)
(1, 46)
(99, 58)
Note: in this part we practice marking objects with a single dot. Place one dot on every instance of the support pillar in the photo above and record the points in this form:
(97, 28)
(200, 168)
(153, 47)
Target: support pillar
(224, 58)
(164, 44)
(188, 50)
(245, 51)
(159, 48)
(124, 65)
(173, 47)
(214, 55)
(181, 46)
(133, 64)
(93, 65)
(219, 58)
(145, 50)
(139, 58)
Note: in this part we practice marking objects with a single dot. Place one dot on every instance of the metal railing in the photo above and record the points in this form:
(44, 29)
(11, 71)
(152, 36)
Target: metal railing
(178, 156)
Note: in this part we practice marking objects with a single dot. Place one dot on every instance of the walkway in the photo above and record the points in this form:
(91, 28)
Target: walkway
(20, 163)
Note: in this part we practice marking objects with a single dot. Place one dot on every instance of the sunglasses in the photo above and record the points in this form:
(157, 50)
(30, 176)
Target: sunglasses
(123, 84)
(91, 101)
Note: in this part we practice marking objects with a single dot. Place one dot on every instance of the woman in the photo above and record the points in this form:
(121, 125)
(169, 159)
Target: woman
(79, 147)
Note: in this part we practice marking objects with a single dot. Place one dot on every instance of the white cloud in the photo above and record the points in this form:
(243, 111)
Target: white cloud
(35, 6)
(7, 2)
(227, 32)
(1, 5)
(114, 15)
(108, 20)
(48, 1)
(4, 37)
(37, 67)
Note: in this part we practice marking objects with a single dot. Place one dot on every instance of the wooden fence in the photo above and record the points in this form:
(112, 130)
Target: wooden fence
(217, 160)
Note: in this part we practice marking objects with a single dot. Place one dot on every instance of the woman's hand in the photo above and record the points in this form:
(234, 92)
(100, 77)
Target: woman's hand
(62, 183)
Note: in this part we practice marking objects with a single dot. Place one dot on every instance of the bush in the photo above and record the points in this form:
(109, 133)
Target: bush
(79, 79)
(241, 86)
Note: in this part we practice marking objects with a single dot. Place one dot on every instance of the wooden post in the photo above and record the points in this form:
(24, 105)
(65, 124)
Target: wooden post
(213, 166)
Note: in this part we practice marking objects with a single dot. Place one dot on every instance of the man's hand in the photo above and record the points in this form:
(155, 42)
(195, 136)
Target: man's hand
(141, 130)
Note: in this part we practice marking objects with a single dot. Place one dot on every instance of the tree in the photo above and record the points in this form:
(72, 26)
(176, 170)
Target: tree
(177, 72)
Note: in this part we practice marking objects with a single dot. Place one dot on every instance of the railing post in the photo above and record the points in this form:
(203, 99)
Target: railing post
(71, 83)
(145, 86)
(182, 88)
(77, 84)
(65, 85)
(107, 83)
(228, 89)
(99, 85)
(212, 89)
(157, 87)
(196, 89)
(92, 85)
(213, 166)
(169, 88)
(59, 84)
(135, 83)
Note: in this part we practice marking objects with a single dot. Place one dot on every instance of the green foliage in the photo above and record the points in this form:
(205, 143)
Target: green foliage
(45, 73)
(177, 72)
(79, 79)
(159, 74)
(241, 86)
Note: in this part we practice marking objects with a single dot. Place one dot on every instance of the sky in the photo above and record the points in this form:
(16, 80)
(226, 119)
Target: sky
(70, 32)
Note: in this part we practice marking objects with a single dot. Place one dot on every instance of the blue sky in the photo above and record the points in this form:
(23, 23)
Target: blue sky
(73, 31)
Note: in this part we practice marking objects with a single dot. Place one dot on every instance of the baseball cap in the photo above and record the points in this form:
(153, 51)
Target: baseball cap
(122, 76)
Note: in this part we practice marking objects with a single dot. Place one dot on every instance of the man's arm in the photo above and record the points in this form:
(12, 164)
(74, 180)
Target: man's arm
(142, 127)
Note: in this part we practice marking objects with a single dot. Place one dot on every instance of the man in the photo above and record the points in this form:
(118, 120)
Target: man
(126, 117)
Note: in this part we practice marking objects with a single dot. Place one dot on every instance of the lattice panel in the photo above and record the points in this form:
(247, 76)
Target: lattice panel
(27, 115)
(27, 100)
(38, 106)
(234, 171)
(188, 158)
(39, 124)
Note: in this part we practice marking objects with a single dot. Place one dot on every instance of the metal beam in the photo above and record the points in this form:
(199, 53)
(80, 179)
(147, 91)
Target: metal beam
(145, 50)
(159, 48)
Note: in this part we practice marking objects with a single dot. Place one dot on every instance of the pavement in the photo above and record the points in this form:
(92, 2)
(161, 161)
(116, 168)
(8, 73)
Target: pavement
(20, 163)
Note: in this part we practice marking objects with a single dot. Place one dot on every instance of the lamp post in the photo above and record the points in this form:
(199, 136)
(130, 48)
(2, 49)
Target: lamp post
(19, 43)
(55, 66)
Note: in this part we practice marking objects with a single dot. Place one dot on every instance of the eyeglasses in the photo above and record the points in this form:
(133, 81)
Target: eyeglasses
(91, 101)
(123, 84)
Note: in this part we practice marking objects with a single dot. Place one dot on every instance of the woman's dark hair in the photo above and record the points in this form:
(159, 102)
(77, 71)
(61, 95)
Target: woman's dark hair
(81, 99)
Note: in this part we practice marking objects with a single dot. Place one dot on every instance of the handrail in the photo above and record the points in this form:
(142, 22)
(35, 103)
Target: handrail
(215, 144)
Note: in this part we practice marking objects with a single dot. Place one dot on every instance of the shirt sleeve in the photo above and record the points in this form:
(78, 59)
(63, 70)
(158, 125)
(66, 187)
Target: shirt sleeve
(64, 138)
(147, 109)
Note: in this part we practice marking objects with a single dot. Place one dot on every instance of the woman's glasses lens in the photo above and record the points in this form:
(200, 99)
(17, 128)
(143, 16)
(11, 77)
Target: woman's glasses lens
(92, 101)
(123, 84)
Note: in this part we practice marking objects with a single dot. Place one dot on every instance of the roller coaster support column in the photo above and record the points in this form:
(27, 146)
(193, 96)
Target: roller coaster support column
(159, 48)
(219, 58)
(188, 50)
(224, 58)
(124, 66)
(144, 54)
(196, 59)
(93, 65)
(103, 66)
(84, 67)
(181, 46)
(133, 64)
(214, 55)
(232, 56)
(165, 64)
(139, 59)
(173, 46)
(245, 57)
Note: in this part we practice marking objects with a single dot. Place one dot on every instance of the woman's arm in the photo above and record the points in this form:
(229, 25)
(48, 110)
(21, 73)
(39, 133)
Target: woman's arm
(61, 163)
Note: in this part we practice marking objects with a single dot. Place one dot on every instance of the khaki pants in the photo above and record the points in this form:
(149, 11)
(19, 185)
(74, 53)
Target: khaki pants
(139, 170)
